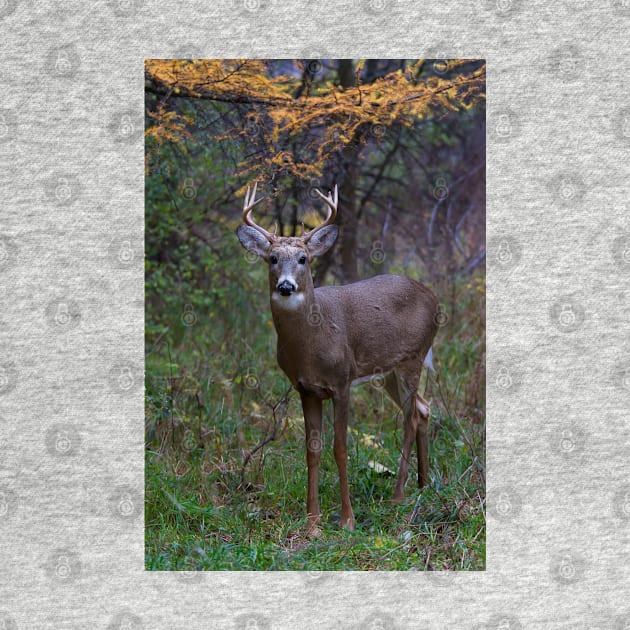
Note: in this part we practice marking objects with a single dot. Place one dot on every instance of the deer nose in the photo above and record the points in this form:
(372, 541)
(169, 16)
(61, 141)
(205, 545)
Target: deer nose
(285, 287)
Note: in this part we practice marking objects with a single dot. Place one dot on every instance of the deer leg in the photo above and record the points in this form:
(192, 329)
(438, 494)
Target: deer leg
(422, 440)
(312, 408)
(402, 386)
(409, 435)
(391, 386)
(341, 457)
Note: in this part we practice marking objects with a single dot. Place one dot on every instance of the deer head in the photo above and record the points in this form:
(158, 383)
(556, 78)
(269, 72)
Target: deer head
(288, 258)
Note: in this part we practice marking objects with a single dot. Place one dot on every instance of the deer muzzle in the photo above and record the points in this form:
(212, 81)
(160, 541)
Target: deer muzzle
(286, 288)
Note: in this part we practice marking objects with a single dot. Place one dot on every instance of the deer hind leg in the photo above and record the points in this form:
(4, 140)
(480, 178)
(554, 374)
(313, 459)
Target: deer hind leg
(402, 386)
(422, 440)
(312, 408)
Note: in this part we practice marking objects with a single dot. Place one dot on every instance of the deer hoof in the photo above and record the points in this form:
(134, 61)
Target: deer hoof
(349, 524)
(398, 498)
(312, 529)
(313, 532)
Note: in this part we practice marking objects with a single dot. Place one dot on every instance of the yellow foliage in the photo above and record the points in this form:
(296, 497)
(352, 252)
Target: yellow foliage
(280, 111)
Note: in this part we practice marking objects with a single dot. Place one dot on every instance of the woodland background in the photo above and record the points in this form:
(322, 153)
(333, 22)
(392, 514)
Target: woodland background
(225, 464)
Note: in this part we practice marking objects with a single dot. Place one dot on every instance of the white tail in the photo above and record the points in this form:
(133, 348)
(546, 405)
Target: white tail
(428, 360)
(330, 337)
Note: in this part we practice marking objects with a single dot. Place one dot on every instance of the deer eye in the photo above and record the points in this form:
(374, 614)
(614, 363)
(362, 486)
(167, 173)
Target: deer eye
(273, 259)
(302, 259)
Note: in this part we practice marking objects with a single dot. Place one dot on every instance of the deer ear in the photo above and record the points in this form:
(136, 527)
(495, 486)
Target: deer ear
(252, 240)
(323, 240)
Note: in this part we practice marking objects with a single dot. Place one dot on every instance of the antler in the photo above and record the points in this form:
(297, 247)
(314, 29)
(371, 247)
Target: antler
(331, 201)
(250, 202)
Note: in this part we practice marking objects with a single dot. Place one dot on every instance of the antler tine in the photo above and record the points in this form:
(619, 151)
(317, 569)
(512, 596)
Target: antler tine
(248, 206)
(332, 201)
(250, 201)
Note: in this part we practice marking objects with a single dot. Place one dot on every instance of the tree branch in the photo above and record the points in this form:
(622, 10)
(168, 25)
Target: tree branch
(281, 408)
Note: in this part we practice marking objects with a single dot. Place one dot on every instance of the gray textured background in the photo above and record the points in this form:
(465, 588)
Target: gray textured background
(71, 322)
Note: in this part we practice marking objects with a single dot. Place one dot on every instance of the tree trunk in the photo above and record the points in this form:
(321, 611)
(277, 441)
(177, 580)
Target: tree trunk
(348, 192)
(349, 221)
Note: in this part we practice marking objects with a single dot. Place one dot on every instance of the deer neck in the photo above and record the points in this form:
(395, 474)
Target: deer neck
(294, 316)
(296, 322)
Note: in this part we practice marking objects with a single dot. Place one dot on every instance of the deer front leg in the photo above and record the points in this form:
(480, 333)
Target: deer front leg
(312, 408)
(341, 457)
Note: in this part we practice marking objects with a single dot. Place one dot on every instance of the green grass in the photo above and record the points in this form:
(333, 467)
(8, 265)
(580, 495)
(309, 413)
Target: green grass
(210, 392)
(200, 516)
(260, 526)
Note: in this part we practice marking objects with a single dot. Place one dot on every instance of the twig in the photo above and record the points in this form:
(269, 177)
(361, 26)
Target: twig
(472, 263)
(280, 408)
(171, 395)
(199, 415)
(432, 221)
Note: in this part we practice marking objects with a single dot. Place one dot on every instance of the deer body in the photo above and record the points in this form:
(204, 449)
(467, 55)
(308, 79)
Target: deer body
(342, 334)
(330, 337)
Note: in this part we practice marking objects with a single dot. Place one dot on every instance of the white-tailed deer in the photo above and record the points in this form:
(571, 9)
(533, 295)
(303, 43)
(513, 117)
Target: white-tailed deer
(334, 336)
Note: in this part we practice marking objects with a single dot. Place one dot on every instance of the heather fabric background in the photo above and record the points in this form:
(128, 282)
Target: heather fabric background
(71, 321)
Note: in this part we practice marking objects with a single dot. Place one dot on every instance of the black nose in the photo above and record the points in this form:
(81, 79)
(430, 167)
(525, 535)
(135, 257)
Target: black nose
(285, 288)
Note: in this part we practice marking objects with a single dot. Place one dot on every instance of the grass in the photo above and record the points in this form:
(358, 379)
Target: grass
(214, 392)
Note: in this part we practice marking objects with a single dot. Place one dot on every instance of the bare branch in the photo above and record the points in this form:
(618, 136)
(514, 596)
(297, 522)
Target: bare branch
(278, 410)
(474, 262)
